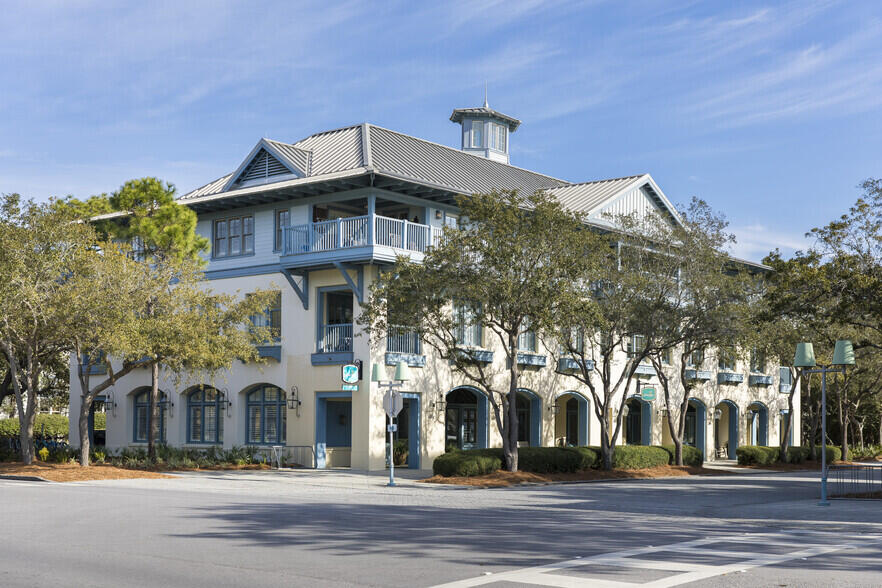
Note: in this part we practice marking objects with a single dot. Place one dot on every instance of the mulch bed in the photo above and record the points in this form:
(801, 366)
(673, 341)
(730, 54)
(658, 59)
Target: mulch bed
(72, 472)
(502, 479)
(69, 472)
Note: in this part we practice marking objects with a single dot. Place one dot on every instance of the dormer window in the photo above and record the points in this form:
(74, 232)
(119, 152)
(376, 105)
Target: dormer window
(477, 133)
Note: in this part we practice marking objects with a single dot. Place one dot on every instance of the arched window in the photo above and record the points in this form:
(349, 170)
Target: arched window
(266, 416)
(142, 416)
(205, 416)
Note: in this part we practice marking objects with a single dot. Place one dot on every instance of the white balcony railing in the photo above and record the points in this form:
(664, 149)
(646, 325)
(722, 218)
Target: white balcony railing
(403, 340)
(335, 338)
(358, 231)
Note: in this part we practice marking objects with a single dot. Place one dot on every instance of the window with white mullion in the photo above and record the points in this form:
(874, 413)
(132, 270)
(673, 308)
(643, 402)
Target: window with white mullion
(527, 339)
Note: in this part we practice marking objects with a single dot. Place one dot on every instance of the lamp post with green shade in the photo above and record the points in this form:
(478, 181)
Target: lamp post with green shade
(392, 403)
(843, 356)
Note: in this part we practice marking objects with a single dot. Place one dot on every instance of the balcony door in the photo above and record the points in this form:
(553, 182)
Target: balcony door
(336, 335)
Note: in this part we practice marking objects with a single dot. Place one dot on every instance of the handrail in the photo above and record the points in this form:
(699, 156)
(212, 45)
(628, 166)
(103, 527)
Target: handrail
(335, 338)
(346, 233)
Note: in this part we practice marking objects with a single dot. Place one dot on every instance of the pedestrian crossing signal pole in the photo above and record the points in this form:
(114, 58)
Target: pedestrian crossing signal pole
(392, 404)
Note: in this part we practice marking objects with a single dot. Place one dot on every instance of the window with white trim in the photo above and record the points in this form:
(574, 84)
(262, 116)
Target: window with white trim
(477, 133)
(497, 136)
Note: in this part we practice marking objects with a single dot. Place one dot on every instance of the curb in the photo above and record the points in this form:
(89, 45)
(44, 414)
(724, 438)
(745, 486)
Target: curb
(24, 478)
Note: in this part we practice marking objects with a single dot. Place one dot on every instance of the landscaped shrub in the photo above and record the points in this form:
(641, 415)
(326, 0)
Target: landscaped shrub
(757, 455)
(43, 454)
(177, 457)
(691, 455)
(45, 425)
(797, 454)
(400, 451)
(867, 452)
(589, 457)
(540, 460)
(549, 460)
(635, 457)
(834, 453)
(466, 463)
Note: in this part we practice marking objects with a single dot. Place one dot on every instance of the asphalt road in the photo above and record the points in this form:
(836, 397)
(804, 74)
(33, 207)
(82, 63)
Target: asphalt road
(346, 529)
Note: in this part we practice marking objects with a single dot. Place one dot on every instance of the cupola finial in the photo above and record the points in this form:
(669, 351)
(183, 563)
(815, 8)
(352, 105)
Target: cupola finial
(486, 104)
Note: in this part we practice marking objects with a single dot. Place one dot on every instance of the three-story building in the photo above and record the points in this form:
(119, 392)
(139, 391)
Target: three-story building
(316, 220)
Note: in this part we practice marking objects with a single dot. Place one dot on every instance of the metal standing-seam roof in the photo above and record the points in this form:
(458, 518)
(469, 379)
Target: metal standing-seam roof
(401, 156)
(407, 157)
(586, 196)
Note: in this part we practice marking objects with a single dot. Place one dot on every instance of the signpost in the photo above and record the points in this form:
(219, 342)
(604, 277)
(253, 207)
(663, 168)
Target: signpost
(392, 404)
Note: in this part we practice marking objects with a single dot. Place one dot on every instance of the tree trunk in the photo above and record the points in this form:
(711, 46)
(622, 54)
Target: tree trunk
(785, 437)
(606, 451)
(83, 423)
(511, 452)
(153, 429)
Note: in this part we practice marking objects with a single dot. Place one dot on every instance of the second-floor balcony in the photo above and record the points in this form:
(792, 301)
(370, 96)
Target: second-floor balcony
(357, 238)
(404, 345)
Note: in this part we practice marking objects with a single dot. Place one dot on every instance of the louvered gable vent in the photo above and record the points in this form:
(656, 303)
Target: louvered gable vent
(263, 166)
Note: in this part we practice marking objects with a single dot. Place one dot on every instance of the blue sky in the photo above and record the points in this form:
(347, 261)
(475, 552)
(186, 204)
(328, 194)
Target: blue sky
(772, 112)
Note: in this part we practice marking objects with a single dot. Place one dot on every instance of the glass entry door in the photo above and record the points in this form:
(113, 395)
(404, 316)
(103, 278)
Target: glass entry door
(689, 437)
(461, 427)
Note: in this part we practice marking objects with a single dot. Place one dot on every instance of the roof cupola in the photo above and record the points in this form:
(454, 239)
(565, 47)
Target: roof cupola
(485, 131)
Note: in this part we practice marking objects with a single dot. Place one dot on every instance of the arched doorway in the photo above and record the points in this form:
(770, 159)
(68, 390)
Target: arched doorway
(465, 419)
(637, 423)
(694, 435)
(570, 420)
(529, 407)
(758, 423)
(726, 429)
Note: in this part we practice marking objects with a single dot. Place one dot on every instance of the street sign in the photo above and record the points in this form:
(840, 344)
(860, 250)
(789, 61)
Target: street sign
(349, 387)
(648, 394)
(350, 373)
(393, 403)
(391, 428)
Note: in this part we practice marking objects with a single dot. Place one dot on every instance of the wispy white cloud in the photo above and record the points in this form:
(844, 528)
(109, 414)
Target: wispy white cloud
(755, 241)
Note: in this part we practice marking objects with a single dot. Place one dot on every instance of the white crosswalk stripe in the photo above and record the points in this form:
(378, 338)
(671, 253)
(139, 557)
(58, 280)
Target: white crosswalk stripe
(678, 558)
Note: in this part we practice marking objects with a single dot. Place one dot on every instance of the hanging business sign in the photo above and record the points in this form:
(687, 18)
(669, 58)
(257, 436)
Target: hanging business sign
(350, 373)
(647, 394)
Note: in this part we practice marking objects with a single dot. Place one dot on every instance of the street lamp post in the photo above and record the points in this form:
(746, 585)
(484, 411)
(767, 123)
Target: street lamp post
(843, 356)
(393, 406)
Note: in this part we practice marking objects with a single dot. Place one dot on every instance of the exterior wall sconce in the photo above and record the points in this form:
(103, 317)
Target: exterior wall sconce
(663, 412)
(294, 401)
(718, 414)
(625, 410)
(439, 405)
(553, 408)
(225, 400)
(109, 401)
